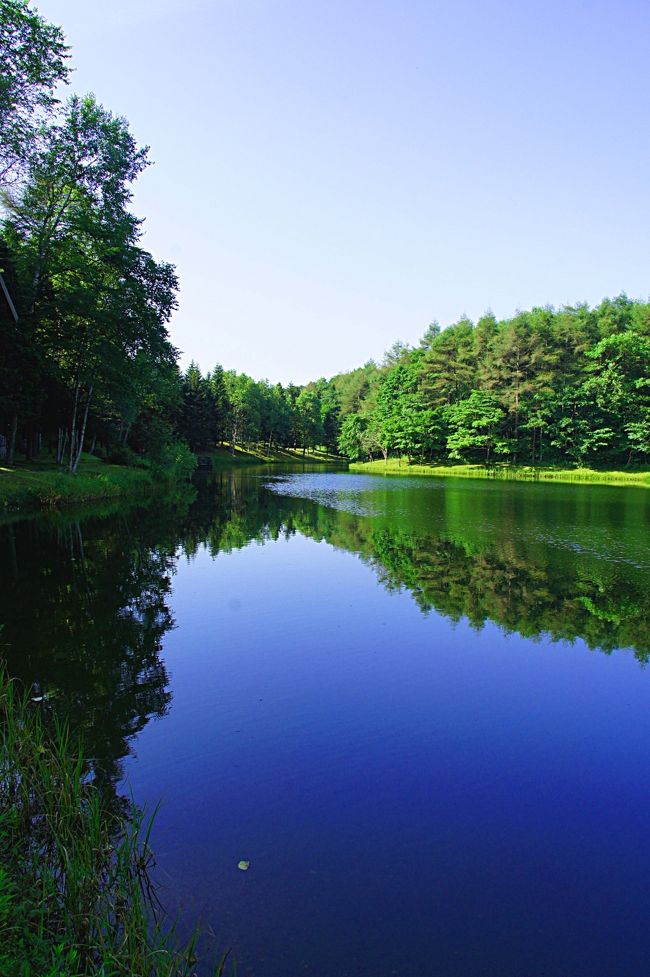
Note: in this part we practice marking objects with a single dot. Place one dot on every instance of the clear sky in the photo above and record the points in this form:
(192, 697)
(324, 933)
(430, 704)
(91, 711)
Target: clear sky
(331, 175)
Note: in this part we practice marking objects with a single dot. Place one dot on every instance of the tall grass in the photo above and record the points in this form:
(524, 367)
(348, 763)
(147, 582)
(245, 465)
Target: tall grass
(76, 898)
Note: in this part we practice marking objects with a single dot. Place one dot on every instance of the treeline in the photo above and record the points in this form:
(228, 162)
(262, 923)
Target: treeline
(86, 358)
(86, 362)
(569, 386)
(230, 407)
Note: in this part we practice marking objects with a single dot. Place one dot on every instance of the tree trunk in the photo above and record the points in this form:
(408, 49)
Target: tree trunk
(12, 440)
(73, 430)
(83, 430)
(62, 445)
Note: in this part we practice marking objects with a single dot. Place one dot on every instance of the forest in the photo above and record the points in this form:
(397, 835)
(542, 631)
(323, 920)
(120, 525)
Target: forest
(88, 364)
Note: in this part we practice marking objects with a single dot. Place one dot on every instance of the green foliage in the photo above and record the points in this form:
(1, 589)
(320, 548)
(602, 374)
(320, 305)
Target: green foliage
(173, 462)
(476, 426)
(308, 418)
(32, 62)
(569, 386)
(97, 303)
(89, 356)
(351, 440)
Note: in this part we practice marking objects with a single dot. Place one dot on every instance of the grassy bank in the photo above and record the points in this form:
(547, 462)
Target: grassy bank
(76, 899)
(525, 473)
(260, 455)
(43, 485)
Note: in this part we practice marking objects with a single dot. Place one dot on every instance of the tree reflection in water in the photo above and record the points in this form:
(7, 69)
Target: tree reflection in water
(85, 601)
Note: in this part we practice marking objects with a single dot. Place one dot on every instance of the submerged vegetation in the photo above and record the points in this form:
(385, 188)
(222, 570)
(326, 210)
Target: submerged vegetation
(76, 899)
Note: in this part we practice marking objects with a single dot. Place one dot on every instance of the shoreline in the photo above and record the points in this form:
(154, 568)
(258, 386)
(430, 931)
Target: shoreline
(28, 488)
(42, 486)
(519, 473)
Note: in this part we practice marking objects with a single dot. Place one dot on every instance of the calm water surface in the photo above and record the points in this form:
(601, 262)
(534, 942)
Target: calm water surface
(419, 707)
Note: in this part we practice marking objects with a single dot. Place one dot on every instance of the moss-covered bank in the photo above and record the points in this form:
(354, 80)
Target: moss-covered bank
(525, 473)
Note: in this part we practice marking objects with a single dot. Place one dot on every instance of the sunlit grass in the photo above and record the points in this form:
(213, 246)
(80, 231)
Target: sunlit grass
(256, 454)
(527, 473)
(41, 484)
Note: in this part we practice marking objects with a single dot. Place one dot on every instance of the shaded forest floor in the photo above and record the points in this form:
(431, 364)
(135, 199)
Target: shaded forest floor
(528, 473)
(259, 454)
(41, 484)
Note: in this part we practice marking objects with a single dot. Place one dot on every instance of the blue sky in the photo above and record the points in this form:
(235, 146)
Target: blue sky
(331, 175)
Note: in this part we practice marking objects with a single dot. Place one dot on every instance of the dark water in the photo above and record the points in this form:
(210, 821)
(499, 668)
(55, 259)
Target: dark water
(419, 707)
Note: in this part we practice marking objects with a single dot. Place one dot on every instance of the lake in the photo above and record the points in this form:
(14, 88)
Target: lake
(419, 707)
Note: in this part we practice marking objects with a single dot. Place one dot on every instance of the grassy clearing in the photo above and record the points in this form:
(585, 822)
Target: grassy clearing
(526, 473)
(260, 455)
(43, 485)
(75, 895)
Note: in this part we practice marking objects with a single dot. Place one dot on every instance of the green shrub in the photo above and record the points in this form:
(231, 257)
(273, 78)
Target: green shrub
(173, 461)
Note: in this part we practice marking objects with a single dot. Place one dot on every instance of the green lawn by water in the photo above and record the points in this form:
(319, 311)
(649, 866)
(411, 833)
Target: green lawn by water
(529, 473)
(40, 484)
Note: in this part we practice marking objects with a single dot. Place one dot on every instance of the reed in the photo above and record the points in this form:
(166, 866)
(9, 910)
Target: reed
(76, 896)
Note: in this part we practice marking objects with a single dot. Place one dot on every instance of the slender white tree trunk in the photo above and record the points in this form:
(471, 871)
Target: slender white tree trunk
(83, 429)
